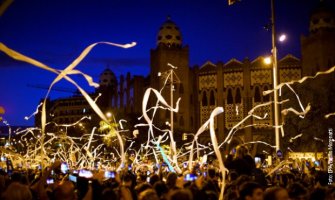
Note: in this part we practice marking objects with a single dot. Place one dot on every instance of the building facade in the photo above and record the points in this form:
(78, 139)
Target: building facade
(236, 85)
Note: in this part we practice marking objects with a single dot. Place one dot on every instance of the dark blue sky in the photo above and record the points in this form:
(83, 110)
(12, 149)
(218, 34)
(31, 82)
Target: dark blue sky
(56, 31)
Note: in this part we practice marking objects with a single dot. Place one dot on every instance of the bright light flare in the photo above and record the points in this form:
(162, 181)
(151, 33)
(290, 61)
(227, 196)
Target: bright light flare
(108, 114)
(267, 60)
(282, 38)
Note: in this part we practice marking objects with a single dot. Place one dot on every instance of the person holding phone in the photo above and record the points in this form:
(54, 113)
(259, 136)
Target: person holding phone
(240, 161)
(65, 190)
(38, 188)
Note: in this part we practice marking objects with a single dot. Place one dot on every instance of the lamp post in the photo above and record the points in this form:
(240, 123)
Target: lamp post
(9, 130)
(168, 77)
(275, 71)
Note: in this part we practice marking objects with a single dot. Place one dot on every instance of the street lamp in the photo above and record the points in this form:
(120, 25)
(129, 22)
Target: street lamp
(267, 60)
(282, 38)
(275, 71)
(273, 59)
(9, 130)
(108, 114)
(171, 77)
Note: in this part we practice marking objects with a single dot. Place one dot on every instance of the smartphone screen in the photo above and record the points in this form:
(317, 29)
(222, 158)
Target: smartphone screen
(257, 160)
(190, 177)
(234, 150)
(64, 168)
(109, 174)
(50, 181)
(85, 173)
(73, 178)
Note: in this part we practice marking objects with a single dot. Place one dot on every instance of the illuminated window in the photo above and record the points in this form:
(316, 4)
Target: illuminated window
(204, 99)
(167, 114)
(212, 99)
(257, 96)
(266, 98)
(181, 89)
(238, 98)
(181, 121)
(230, 97)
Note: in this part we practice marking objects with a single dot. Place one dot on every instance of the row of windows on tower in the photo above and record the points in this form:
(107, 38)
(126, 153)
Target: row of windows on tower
(169, 37)
(66, 120)
(74, 112)
(168, 27)
(258, 97)
(73, 103)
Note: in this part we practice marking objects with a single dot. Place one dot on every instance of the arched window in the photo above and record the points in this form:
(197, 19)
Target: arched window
(257, 96)
(238, 98)
(212, 99)
(181, 89)
(181, 121)
(204, 99)
(266, 98)
(167, 114)
(230, 97)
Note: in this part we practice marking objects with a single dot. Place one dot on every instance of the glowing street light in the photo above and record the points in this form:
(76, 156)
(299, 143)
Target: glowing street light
(109, 114)
(9, 130)
(282, 38)
(267, 60)
(275, 78)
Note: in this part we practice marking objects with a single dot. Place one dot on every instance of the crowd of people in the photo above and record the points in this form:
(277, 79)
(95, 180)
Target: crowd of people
(244, 181)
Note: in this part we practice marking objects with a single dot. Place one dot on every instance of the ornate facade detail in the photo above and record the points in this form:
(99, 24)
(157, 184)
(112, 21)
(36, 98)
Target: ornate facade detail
(261, 76)
(233, 114)
(208, 81)
(289, 74)
(233, 79)
(261, 112)
(205, 113)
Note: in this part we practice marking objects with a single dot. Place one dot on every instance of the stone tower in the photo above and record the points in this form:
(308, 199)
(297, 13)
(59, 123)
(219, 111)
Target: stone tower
(318, 47)
(170, 49)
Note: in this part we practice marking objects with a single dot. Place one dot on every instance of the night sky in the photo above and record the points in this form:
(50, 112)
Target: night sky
(56, 31)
